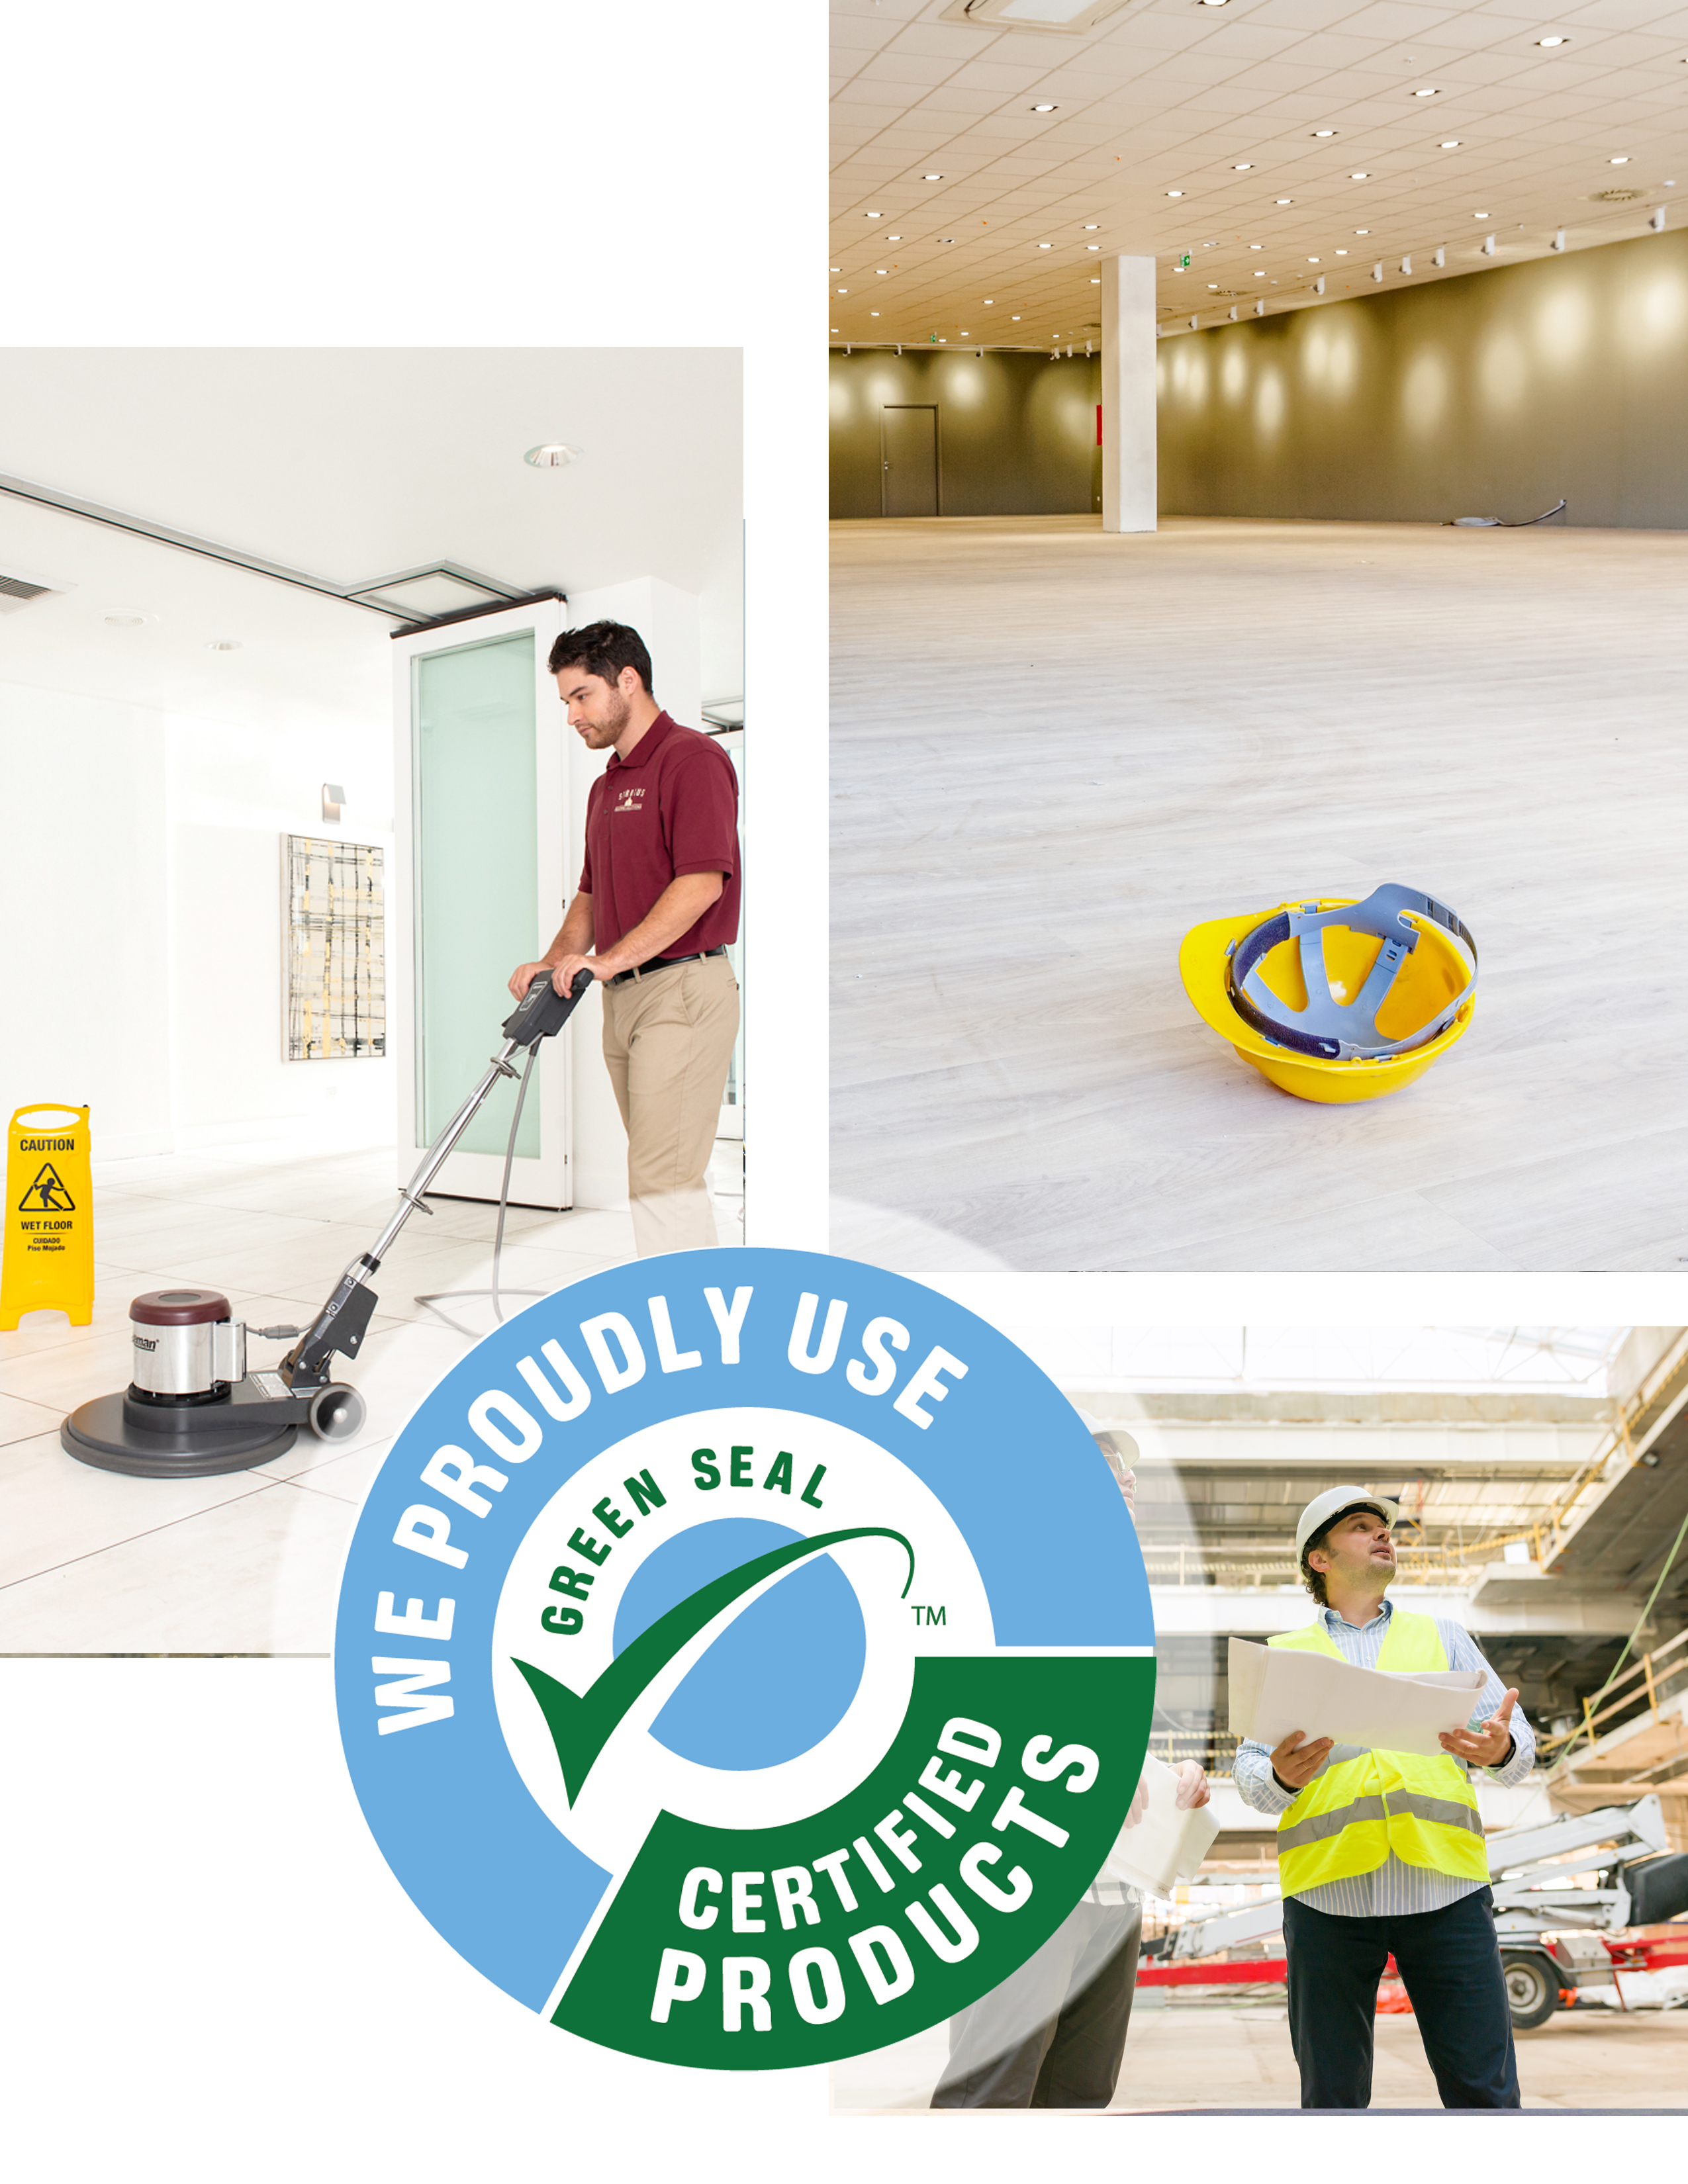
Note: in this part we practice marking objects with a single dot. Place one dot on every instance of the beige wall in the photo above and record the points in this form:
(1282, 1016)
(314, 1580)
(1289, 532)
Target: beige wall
(1017, 434)
(1493, 393)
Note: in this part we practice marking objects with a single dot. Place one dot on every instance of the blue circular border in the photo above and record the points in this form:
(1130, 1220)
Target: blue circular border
(1004, 1451)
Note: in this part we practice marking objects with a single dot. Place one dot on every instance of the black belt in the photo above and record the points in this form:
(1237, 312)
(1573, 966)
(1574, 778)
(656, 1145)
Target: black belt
(662, 962)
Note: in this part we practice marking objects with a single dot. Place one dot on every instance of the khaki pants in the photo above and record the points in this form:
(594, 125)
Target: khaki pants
(667, 1044)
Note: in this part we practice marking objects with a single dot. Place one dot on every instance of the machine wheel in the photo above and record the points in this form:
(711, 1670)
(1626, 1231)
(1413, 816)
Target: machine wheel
(337, 1412)
(1532, 1988)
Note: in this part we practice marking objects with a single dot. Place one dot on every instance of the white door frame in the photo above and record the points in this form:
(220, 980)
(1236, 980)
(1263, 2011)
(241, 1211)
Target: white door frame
(547, 1181)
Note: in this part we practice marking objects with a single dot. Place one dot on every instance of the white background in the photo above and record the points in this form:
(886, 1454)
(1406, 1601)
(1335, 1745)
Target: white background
(206, 1972)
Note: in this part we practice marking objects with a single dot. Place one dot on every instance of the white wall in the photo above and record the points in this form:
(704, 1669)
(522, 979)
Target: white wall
(85, 994)
(140, 905)
(233, 794)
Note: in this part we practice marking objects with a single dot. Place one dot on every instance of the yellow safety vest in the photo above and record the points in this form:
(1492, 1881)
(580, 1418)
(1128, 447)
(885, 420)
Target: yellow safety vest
(1350, 1819)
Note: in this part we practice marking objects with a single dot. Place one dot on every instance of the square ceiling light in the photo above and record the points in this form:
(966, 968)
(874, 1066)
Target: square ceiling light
(1070, 17)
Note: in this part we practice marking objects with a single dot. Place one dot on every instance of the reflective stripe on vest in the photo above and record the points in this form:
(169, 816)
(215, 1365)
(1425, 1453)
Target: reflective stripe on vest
(1422, 1807)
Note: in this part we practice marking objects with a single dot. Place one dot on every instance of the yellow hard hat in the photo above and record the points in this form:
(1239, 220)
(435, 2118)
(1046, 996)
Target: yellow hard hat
(1336, 1000)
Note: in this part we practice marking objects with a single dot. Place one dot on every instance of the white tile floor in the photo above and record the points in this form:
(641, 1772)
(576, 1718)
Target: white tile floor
(92, 1562)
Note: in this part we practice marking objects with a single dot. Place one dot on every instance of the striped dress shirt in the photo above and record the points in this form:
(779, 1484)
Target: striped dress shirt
(1393, 1888)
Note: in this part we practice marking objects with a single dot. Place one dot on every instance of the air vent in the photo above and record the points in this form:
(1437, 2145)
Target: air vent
(1070, 18)
(1617, 196)
(20, 588)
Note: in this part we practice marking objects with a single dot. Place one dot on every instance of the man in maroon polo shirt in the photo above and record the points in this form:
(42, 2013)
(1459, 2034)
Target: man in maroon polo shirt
(657, 904)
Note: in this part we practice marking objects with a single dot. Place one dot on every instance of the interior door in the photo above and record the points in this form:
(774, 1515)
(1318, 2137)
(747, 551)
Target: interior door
(481, 826)
(908, 434)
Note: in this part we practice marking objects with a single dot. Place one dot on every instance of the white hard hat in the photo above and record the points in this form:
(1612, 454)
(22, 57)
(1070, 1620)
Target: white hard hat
(1333, 1503)
(1112, 1440)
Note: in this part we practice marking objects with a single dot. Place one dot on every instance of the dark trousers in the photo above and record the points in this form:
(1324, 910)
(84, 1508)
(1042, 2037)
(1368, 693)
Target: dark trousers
(1450, 1962)
(1053, 2034)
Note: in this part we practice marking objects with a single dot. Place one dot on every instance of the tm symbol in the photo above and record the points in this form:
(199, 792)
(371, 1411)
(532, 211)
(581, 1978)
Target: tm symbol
(929, 1616)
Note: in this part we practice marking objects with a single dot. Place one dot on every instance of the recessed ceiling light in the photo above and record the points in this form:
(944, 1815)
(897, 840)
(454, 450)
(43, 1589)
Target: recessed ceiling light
(1342, 253)
(1175, 193)
(1363, 231)
(1091, 225)
(1095, 280)
(835, 269)
(1260, 272)
(946, 238)
(1043, 109)
(882, 268)
(125, 617)
(1046, 246)
(224, 644)
(1015, 321)
(1621, 160)
(1312, 261)
(931, 178)
(554, 455)
(990, 300)
(843, 292)
(873, 314)
(1324, 132)
(1450, 143)
(965, 334)
(1213, 284)
(1428, 91)
(873, 216)
(832, 330)
(894, 238)
(1243, 167)
(1479, 215)
(1213, 3)
(1283, 200)
(1093, 246)
(1363, 176)
(1553, 42)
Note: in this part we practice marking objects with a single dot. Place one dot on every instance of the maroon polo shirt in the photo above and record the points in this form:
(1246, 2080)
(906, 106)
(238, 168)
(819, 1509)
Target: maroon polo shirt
(671, 807)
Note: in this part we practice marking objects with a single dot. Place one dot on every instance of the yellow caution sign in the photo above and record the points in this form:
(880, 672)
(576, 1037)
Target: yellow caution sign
(46, 1263)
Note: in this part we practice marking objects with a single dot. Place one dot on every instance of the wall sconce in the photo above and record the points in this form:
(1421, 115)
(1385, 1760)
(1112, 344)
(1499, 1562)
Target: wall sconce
(1378, 270)
(1558, 242)
(1407, 263)
(1440, 257)
(1489, 246)
(1233, 314)
(1656, 219)
(333, 796)
(1260, 307)
(1318, 286)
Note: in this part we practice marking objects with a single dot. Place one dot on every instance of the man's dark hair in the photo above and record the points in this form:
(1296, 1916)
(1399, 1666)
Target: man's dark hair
(1314, 1579)
(602, 648)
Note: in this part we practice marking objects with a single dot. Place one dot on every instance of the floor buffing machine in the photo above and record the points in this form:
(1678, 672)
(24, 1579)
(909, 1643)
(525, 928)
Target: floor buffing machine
(193, 1409)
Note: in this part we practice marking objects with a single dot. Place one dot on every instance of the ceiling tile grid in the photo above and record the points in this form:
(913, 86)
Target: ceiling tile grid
(1173, 95)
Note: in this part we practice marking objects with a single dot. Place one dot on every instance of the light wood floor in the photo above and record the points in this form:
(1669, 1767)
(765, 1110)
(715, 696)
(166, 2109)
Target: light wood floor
(1054, 751)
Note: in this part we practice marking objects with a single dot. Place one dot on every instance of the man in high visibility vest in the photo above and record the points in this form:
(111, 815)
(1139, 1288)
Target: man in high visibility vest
(1382, 1853)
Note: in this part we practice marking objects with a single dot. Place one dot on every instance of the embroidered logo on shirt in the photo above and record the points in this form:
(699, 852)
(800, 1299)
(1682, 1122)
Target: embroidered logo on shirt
(630, 800)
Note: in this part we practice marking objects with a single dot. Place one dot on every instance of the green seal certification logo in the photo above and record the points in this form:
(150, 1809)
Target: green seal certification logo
(745, 1658)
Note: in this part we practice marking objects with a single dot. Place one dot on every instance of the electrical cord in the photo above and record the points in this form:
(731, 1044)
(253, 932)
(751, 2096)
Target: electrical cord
(443, 1296)
(1498, 522)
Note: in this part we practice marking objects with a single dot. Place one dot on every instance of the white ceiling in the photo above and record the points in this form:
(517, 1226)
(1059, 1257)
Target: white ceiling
(349, 463)
(1172, 94)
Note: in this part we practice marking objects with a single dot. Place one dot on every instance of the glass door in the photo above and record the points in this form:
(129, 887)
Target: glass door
(482, 821)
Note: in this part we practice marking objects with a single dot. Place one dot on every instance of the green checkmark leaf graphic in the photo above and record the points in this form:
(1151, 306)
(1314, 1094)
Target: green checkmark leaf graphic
(581, 1725)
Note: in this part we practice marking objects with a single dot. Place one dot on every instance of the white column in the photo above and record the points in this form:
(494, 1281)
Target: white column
(1129, 472)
